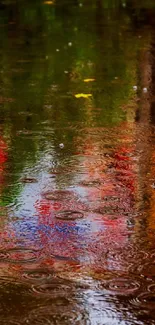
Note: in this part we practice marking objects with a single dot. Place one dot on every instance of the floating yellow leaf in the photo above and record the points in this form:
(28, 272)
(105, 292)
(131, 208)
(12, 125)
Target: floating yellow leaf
(89, 80)
(48, 2)
(83, 95)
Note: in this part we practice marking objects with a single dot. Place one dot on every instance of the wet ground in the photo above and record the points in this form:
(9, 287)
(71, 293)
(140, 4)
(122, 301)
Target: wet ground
(77, 162)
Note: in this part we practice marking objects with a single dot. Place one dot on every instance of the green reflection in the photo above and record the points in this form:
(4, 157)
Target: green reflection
(46, 53)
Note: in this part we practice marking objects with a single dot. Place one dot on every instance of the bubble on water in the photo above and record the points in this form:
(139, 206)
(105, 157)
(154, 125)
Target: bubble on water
(61, 145)
(69, 215)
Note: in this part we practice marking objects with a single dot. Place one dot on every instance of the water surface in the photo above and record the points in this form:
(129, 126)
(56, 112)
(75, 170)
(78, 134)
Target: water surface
(77, 171)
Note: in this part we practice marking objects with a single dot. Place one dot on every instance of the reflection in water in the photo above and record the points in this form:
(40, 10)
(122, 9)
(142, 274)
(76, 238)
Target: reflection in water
(77, 162)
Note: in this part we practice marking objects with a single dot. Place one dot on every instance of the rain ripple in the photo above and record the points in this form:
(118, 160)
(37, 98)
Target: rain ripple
(69, 215)
(121, 286)
(58, 195)
(37, 275)
(19, 255)
(145, 300)
(56, 316)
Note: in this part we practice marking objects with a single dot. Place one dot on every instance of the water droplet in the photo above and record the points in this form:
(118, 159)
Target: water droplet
(69, 215)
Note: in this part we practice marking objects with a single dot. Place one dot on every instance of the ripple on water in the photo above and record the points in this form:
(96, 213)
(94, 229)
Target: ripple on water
(145, 300)
(69, 215)
(146, 270)
(29, 180)
(56, 316)
(18, 255)
(37, 275)
(54, 289)
(121, 286)
(58, 195)
(92, 183)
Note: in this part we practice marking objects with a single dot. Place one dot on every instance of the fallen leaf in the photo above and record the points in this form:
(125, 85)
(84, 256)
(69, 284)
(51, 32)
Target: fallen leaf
(83, 95)
(48, 2)
(89, 80)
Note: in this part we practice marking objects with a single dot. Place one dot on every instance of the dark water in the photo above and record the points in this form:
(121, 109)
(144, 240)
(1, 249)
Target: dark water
(77, 162)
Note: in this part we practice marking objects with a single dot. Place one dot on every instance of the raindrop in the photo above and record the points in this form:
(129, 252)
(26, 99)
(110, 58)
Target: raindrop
(57, 50)
(69, 215)
(70, 44)
(66, 72)
(134, 87)
(80, 4)
(144, 90)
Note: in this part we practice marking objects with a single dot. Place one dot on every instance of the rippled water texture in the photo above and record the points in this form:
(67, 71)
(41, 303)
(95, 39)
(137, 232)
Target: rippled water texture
(77, 162)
